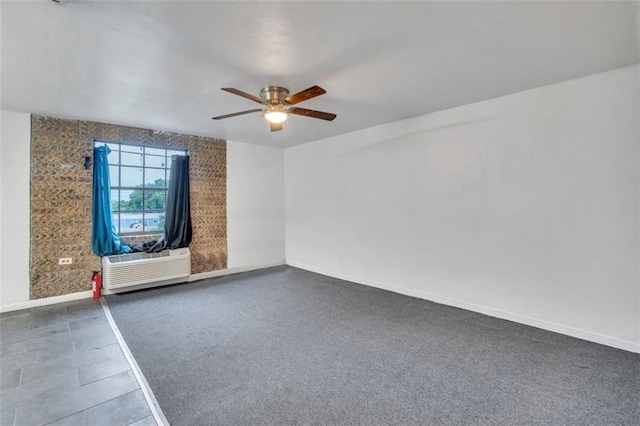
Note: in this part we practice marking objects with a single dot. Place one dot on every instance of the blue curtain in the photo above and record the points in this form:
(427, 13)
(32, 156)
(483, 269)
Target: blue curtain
(104, 238)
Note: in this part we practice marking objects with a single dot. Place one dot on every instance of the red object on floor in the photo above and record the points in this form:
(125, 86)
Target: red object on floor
(97, 284)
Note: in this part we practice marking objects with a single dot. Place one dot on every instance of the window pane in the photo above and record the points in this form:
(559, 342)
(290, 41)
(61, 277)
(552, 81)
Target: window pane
(114, 201)
(130, 222)
(154, 200)
(154, 178)
(116, 221)
(154, 151)
(131, 200)
(131, 148)
(153, 221)
(130, 159)
(113, 157)
(114, 175)
(114, 147)
(131, 176)
(154, 161)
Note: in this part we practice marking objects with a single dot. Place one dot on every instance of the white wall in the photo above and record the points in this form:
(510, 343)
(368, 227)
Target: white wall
(255, 205)
(524, 207)
(15, 144)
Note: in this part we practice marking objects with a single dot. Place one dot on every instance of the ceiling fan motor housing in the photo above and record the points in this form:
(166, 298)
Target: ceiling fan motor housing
(274, 94)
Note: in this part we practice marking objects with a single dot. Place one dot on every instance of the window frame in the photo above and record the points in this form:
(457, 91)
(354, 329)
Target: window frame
(143, 211)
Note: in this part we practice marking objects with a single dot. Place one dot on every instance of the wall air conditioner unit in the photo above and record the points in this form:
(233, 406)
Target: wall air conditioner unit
(134, 269)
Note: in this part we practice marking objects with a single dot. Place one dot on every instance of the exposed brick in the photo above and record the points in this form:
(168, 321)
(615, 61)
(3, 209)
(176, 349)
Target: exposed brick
(61, 193)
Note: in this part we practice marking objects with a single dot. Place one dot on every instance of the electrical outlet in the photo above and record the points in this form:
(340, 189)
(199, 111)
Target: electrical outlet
(65, 261)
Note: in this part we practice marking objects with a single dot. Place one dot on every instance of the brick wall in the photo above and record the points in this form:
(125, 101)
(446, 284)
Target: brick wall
(61, 199)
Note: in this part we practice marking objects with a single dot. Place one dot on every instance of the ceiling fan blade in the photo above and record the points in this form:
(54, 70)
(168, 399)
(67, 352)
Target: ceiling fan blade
(276, 127)
(220, 117)
(313, 113)
(243, 94)
(306, 94)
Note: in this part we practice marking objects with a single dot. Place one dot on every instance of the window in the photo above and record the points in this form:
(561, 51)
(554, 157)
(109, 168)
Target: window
(139, 183)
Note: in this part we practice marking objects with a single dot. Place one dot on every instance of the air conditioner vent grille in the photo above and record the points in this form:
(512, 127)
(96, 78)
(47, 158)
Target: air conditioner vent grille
(127, 270)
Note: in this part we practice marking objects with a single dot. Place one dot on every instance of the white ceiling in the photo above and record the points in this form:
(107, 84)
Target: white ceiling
(161, 65)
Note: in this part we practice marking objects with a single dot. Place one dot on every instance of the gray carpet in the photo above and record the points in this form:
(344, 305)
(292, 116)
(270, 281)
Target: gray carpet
(284, 346)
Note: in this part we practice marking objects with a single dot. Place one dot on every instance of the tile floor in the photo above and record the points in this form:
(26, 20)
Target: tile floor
(62, 365)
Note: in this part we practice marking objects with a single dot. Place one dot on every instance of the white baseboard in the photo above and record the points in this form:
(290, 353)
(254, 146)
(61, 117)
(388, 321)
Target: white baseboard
(234, 270)
(487, 310)
(28, 304)
(88, 294)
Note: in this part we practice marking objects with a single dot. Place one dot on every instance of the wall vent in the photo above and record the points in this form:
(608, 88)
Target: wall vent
(126, 270)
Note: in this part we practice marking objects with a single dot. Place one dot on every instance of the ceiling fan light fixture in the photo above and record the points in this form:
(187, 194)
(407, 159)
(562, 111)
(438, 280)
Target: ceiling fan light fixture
(278, 105)
(275, 114)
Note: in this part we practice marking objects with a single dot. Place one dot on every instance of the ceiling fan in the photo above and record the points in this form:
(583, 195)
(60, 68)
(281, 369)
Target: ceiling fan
(278, 104)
